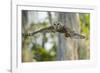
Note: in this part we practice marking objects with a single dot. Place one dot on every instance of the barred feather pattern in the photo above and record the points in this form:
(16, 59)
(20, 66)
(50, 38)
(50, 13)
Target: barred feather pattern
(58, 28)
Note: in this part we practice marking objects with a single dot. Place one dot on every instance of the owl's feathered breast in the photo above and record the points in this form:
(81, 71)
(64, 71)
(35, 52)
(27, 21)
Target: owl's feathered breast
(62, 30)
(67, 31)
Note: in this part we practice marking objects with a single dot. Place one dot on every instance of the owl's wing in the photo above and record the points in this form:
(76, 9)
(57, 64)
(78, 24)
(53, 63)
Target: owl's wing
(47, 29)
(77, 36)
(73, 34)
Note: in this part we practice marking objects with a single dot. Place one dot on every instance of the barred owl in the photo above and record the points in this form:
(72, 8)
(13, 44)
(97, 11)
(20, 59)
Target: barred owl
(58, 27)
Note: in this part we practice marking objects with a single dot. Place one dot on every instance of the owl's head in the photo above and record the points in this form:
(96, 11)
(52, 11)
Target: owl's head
(57, 25)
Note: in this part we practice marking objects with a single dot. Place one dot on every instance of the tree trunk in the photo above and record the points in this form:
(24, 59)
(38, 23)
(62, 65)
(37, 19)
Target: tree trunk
(68, 49)
(26, 52)
(72, 21)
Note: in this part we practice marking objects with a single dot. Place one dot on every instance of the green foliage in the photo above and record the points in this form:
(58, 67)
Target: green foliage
(41, 54)
(85, 23)
(85, 29)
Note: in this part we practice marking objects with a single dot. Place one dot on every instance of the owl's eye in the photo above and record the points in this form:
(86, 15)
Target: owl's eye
(58, 24)
(54, 24)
